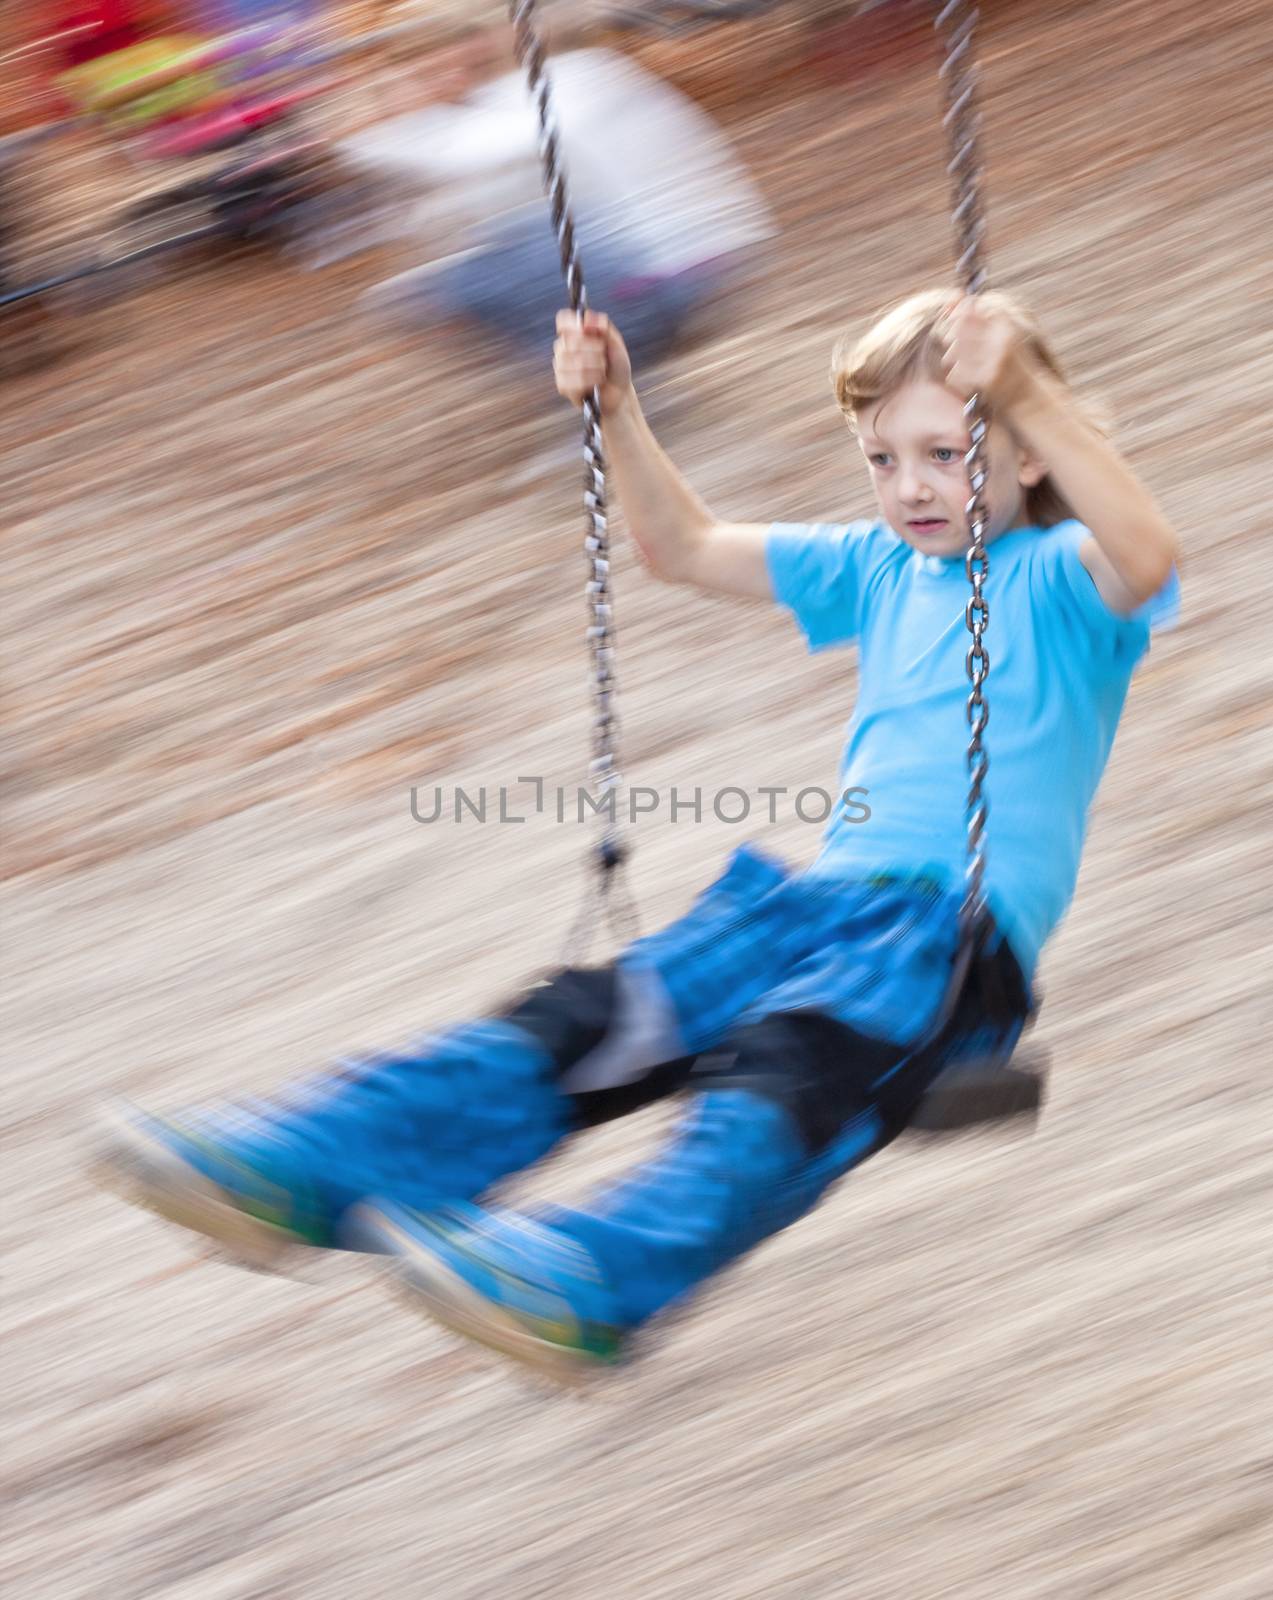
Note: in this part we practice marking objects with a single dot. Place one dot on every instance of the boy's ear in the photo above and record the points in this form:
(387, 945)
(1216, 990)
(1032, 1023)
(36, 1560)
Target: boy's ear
(1031, 471)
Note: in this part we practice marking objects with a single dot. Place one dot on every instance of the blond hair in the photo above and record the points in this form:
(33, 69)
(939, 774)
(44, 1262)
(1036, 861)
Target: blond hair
(906, 345)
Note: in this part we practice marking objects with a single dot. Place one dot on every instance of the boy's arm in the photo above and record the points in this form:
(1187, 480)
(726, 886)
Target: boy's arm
(1133, 546)
(678, 536)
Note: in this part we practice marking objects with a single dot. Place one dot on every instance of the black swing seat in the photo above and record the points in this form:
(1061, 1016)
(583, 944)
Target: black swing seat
(612, 1035)
(1002, 1084)
(976, 1093)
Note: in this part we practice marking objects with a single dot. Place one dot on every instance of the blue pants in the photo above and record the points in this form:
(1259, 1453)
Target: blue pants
(512, 282)
(785, 1005)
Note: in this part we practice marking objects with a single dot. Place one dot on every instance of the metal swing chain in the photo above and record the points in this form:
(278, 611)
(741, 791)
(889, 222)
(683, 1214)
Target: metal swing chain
(956, 24)
(603, 768)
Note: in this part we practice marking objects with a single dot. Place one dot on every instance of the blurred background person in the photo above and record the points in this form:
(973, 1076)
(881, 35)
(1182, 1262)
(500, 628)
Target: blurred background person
(665, 210)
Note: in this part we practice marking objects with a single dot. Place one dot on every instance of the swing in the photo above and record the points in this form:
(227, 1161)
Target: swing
(966, 1092)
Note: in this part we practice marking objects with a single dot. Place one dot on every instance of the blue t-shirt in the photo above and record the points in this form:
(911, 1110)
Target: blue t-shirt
(1061, 662)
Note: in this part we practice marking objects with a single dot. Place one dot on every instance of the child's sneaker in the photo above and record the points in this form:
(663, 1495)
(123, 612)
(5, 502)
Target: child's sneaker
(226, 1174)
(502, 1279)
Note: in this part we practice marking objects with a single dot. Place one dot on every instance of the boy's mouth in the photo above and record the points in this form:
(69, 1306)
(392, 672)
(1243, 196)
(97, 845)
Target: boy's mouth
(926, 524)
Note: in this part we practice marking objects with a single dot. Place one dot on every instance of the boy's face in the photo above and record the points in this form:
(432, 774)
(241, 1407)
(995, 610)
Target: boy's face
(914, 441)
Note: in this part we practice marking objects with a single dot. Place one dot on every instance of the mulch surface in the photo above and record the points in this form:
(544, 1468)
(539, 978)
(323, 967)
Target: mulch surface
(269, 566)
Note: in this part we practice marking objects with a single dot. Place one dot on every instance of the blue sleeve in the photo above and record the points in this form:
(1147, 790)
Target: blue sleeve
(1069, 588)
(818, 573)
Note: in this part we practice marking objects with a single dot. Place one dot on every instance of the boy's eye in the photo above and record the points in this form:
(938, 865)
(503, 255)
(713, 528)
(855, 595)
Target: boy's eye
(945, 454)
(879, 458)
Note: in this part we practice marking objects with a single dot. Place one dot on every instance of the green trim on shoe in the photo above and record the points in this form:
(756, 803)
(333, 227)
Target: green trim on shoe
(139, 1158)
(443, 1271)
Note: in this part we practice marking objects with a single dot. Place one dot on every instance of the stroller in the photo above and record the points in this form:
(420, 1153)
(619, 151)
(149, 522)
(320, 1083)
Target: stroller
(205, 113)
(192, 118)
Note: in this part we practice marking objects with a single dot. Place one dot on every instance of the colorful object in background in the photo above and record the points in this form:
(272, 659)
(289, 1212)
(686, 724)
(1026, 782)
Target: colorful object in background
(258, 31)
(145, 82)
(217, 128)
(225, 16)
(90, 31)
(193, 79)
(86, 30)
(136, 77)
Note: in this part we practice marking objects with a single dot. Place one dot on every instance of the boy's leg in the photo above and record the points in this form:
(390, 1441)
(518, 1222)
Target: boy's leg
(476, 1104)
(791, 1103)
(262, 1175)
(441, 1124)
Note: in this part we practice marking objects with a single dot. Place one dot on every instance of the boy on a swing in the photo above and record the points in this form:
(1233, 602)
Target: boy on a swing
(797, 1008)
